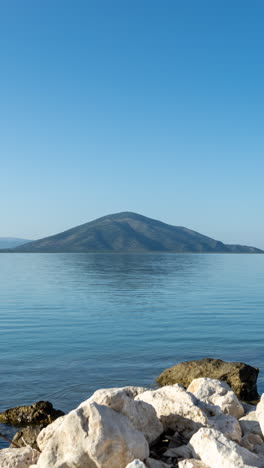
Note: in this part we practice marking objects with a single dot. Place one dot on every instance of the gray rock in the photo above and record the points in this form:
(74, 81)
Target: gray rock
(250, 424)
(27, 437)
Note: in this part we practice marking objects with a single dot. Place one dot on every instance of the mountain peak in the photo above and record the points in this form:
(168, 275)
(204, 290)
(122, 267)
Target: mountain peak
(130, 232)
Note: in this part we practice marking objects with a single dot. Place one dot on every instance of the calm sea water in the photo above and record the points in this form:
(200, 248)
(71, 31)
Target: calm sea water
(72, 323)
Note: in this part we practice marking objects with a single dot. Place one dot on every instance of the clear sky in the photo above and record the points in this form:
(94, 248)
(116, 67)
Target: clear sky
(148, 106)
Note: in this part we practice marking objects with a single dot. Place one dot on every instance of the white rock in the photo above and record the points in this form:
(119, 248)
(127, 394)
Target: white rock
(175, 408)
(216, 392)
(152, 463)
(213, 448)
(136, 464)
(47, 433)
(249, 424)
(183, 412)
(94, 436)
(132, 391)
(141, 414)
(260, 413)
(18, 458)
(224, 423)
(192, 463)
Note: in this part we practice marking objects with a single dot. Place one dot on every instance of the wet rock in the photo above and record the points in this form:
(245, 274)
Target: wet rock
(27, 437)
(18, 458)
(241, 377)
(41, 412)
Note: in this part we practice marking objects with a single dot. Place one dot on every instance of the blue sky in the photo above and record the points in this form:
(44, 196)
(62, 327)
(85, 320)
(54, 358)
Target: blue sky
(132, 105)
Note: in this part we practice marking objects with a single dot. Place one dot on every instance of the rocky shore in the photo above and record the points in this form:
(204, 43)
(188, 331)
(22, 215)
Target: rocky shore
(194, 421)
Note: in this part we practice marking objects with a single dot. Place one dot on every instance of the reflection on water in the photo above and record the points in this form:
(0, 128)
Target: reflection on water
(71, 323)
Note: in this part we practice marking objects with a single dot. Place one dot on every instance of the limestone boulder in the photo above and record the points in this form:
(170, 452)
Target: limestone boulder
(136, 464)
(181, 411)
(224, 423)
(260, 413)
(93, 436)
(192, 463)
(250, 424)
(218, 393)
(177, 409)
(18, 458)
(214, 449)
(241, 377)
(41, 412)
(142, 415)
(47, 433)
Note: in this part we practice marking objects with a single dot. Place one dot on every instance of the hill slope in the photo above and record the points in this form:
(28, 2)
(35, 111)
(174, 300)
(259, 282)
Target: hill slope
(11, 242)
(130, 232)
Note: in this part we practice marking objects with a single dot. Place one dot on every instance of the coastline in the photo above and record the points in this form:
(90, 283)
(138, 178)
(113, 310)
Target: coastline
(132, 427)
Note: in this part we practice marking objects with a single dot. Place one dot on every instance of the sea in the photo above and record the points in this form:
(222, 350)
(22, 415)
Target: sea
(73, 323)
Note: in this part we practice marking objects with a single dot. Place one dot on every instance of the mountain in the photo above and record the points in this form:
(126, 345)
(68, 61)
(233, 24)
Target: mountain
(11, 242)
(130, 232)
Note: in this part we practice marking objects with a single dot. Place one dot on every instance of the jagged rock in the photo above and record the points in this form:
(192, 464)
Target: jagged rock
(213, 448)
(242, 378)
(136, 464)
(141, 414)
(249, 424)
(18, 458)
(27, 437)
(41, 412)
(181, 411)
(175, 408)
(93, 436)
(219, 393)
(260, 413)
(192, 463)
(224, 423)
